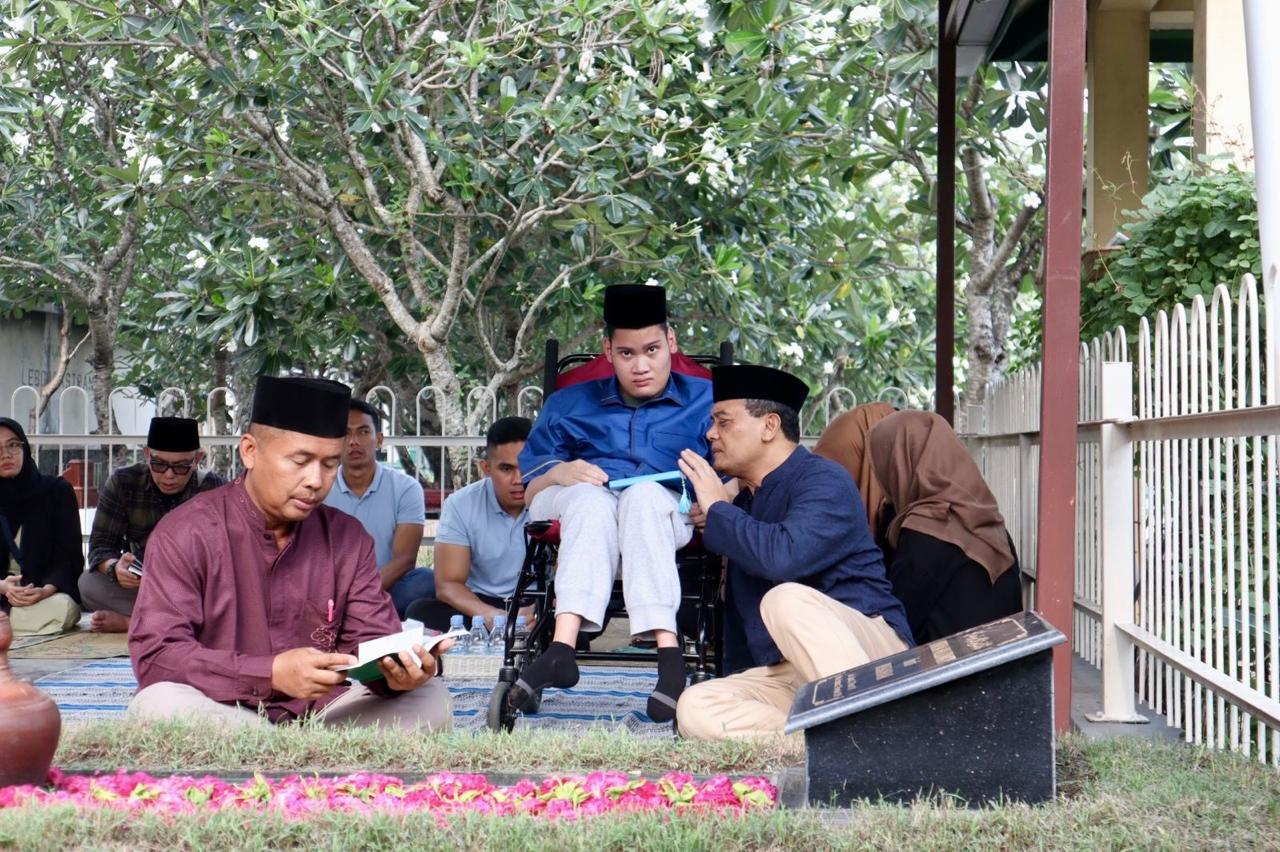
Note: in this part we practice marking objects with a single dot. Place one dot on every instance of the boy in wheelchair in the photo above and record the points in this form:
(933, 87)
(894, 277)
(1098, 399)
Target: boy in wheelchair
(635, 423)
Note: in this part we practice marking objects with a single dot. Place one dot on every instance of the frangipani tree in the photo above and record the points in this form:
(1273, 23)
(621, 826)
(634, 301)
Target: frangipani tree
(485, 168)
(87, 200)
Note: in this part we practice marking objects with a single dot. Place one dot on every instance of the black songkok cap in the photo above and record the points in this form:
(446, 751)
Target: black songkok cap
(634, 305)
(748, 381)
(173, 435)
(311, 406)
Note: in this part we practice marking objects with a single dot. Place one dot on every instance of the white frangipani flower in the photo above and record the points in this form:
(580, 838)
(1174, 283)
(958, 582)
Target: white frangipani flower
(21, 140)
(693, 178)
(651, 282)
(705, 38)
(828, 368)
(1031, 199)
(259, 243)
(685, 122)
(704, 76)
(440, 37)
(658, 150)
(109, 69)
(865, 14)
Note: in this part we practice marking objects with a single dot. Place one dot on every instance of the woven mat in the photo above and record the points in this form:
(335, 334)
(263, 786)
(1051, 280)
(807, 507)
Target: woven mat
(77, 645)
(605, 698)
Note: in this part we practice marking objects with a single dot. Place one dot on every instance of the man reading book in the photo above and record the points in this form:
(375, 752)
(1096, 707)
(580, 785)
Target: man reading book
(256, 592)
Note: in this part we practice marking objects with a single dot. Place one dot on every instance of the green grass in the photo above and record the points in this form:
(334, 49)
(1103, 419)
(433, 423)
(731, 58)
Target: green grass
(1122, 795)
(172, 746)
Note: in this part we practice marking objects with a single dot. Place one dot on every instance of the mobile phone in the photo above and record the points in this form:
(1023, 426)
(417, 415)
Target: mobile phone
(135, 568)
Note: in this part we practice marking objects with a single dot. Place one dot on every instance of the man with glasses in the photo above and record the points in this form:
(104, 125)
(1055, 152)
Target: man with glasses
(133, 501)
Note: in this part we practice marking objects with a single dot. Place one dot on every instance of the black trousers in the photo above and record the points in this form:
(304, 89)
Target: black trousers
(435, 614)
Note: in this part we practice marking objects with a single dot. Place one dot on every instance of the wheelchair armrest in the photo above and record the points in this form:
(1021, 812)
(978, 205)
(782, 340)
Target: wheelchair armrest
(543, 531)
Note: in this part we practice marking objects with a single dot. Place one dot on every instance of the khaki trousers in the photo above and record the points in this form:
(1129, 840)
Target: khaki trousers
(57, 613)
(817, 635)
(427, 708)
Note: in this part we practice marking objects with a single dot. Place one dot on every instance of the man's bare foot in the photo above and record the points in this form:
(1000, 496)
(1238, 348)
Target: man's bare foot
(103, 621)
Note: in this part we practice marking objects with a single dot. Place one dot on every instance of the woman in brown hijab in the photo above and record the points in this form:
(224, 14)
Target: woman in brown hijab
(845, 441)
(951, 561)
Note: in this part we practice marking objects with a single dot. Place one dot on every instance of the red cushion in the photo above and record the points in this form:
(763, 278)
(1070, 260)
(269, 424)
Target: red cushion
(552, 536)
(600, 368)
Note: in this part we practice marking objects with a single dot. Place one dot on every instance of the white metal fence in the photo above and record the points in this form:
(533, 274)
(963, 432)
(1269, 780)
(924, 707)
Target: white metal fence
(423, 451)
(1176, 511)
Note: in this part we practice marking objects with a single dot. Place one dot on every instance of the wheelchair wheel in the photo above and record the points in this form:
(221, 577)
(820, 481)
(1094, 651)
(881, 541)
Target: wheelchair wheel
(698, 677)
(499, 719)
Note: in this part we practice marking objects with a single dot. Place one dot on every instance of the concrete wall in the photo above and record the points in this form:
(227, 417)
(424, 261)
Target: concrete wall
(29, 356)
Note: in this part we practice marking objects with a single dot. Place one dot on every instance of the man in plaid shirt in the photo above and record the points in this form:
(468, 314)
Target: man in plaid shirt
(133, 501)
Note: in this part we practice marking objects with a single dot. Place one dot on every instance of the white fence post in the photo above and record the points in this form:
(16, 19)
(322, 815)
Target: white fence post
(1116, 514)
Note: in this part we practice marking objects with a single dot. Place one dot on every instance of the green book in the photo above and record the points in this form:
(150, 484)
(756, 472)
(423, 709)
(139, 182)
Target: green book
(366, 668)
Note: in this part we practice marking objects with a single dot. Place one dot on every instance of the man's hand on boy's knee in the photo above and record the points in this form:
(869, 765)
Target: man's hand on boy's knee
(577, 472)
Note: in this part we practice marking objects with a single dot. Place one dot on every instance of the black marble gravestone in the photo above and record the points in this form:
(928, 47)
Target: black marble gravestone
(969, 716)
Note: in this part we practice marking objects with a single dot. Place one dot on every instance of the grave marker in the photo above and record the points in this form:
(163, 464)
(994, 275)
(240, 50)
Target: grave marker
(970, 715)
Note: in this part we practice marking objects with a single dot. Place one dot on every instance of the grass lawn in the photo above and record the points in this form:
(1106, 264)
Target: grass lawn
(1125, 795)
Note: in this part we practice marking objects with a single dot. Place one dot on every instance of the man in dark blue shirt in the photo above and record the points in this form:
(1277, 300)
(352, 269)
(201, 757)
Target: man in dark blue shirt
(806, 588)
(633, 423)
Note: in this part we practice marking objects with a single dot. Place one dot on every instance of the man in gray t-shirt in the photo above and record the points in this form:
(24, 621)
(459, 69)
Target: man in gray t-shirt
(389, 504)
(480, 541)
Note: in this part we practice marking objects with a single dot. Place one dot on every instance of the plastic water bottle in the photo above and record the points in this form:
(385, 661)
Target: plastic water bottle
(498, 638)
(458, 622)
(479, 636)
(521, 639)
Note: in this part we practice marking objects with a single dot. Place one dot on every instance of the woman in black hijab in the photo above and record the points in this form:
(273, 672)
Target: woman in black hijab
(40, 545)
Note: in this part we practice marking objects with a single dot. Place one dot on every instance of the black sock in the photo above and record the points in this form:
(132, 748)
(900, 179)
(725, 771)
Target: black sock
(671, 680)
(556, 666)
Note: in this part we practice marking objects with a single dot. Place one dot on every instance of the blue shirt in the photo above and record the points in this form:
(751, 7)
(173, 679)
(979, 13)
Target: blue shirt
(591, 421)
(804, 524)
(473, 518)
(392, 498)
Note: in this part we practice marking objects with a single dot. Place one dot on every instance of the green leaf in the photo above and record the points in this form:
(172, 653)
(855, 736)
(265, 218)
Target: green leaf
(746, 42)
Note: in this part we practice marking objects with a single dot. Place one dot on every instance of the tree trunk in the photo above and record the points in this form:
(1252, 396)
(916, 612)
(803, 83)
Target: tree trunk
(102, 330)
(65, 353)
(450, 407)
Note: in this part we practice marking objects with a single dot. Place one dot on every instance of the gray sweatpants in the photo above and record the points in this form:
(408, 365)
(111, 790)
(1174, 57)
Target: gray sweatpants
(642, 527)
(99, 593)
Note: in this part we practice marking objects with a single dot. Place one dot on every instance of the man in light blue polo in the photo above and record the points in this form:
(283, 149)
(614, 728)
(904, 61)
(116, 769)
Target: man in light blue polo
(480, 542)
(389, 504)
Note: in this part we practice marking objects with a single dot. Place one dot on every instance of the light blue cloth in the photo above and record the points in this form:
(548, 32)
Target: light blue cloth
(591, 421)
(472, 517)
(392, 498)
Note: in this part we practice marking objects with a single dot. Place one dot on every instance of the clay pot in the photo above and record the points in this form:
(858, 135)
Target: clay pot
(29, 723)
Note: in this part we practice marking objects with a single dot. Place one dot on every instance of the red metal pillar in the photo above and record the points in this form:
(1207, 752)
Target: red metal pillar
(1055, 524)
(944, 339)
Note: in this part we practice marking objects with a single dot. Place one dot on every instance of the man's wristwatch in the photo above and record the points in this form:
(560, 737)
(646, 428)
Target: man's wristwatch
(111, 571)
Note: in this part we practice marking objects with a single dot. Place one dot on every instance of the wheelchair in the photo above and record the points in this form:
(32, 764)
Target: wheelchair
(701, 614)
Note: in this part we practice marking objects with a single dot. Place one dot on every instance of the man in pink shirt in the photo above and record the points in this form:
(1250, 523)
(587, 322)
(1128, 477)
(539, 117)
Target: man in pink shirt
(256, 591)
